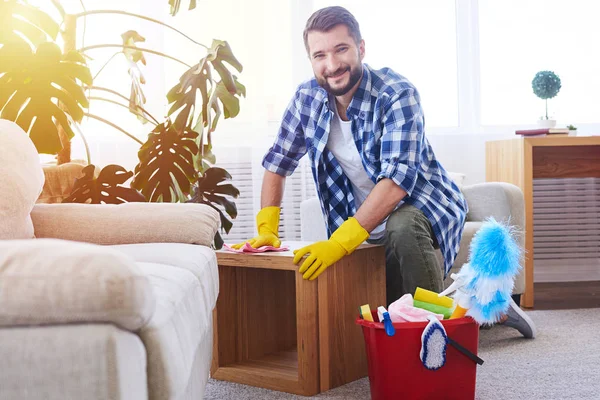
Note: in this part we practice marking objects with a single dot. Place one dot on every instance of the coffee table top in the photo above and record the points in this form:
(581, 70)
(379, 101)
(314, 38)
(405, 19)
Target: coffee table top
(270, 259)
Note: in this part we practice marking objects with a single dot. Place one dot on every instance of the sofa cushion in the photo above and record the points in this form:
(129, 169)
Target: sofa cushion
(199, 260)
(49, 281)
(129, 222)
(183, 318)
(21, 181)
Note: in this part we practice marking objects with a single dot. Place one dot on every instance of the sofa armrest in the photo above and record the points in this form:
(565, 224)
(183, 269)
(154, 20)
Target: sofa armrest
(127, 223)
(49, 281)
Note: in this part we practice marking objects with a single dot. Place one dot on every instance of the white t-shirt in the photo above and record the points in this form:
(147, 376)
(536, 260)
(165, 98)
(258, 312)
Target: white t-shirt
(341, 144)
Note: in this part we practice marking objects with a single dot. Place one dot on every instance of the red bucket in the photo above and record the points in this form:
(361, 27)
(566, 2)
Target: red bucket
(396, 370)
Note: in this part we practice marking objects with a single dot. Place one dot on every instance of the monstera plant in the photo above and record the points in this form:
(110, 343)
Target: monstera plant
(47, 90)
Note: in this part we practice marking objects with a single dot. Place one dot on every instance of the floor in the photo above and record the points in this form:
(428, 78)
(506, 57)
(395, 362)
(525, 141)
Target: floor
(566, 295)
(558, 364)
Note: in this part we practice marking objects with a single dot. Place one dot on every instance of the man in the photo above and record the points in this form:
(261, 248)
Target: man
(376, 174)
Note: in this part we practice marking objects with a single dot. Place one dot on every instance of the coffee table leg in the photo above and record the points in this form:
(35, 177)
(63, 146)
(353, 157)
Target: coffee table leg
(308, 335)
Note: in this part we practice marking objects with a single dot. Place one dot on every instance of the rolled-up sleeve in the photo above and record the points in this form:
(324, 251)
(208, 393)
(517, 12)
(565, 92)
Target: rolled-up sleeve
(402, 139)
(290, 144)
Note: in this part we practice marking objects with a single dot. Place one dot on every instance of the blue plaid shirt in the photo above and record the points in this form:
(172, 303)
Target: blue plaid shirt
(388, 126)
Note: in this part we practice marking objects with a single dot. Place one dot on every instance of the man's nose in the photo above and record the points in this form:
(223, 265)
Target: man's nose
(333, 64)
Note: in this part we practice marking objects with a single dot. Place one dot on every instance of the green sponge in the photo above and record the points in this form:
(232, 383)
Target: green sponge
(445, 311)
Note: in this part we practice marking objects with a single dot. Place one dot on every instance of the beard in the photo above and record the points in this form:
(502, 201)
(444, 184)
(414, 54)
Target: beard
(355, 75)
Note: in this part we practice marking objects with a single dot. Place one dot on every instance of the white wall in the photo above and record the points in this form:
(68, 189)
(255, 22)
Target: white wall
(463, 153)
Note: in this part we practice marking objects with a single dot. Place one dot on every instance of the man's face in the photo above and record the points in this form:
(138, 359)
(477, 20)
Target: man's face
(336, 59)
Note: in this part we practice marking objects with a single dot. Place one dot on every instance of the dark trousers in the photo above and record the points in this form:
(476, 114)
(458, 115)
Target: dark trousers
(410, 251)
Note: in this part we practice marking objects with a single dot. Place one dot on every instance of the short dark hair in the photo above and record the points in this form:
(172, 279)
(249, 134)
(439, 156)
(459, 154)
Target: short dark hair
(327, 18)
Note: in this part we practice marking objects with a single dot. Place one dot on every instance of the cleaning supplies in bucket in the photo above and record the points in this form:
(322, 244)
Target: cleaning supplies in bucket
(404, 310)
(384, 317)
(396, 370)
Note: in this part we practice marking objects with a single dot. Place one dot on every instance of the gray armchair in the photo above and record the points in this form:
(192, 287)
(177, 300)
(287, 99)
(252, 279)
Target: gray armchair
(503, 201)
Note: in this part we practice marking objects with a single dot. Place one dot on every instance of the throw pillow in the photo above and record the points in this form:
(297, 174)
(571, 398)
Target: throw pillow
(21, 181)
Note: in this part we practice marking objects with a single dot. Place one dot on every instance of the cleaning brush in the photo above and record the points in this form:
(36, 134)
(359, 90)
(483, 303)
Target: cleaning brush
(434, 341)
(433, 345)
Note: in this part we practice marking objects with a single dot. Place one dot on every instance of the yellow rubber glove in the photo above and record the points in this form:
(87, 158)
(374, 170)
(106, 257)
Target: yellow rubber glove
(342, 242)
(267, 221)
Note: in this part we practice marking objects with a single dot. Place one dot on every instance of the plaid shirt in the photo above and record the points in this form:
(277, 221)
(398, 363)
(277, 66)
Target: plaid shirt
(388, 126)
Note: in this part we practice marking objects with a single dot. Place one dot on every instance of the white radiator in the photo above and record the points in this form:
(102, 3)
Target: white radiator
(245, 166)
(566, 226)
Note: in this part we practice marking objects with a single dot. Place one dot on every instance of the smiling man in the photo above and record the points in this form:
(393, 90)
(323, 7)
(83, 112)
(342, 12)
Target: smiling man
(377, 177)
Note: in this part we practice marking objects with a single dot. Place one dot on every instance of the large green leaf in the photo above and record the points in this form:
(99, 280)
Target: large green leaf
(183, 96)
(176, 4)
(219, 53)
(32, 85)
(106, 189)
(215, 190)
(137, 99)
(184, 93)
(166, 169)
(18, 19)
(231, 103)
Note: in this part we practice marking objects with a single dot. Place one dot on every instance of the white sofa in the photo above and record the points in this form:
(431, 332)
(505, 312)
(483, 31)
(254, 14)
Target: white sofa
(503, 201)
(107, 301)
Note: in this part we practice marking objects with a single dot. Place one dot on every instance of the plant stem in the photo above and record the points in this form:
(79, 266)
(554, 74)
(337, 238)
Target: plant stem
(59, 7)
(108, 90)
(546, 108)
(85, 142)
(123, 97)
(121, 46)
(114, 126)
(84, 23)
(105, 64)
(69, 36)
(151, 120)
(138, 16)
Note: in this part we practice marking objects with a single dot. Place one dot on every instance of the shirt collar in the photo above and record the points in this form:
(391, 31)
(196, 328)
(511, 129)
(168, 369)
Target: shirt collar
(361, 100)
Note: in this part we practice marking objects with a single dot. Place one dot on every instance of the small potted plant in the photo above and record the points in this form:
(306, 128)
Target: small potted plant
(546, 85)
(572, 130)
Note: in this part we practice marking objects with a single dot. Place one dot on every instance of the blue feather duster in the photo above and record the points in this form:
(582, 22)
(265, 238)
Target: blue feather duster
(487, 281)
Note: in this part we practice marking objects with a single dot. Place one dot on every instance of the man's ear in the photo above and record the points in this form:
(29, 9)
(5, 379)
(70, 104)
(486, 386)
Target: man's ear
(361, 49)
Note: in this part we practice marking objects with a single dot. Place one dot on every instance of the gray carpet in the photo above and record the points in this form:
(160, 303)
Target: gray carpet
(563, 362)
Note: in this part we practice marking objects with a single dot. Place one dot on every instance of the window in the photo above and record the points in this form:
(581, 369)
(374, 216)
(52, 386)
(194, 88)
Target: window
(520, 38)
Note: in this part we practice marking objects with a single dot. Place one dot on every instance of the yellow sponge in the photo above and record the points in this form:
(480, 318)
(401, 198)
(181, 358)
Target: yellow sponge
(365, 311)
(459, 312)
(428, 296)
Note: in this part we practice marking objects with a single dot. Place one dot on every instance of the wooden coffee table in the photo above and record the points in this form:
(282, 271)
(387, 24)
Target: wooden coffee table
(275, 330)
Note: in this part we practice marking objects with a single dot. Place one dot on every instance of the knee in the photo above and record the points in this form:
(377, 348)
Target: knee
(401, 233)
(406, 229)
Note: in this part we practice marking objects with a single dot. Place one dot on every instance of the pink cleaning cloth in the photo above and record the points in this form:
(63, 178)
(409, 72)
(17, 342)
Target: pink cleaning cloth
(246, 248)
(402, 310)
